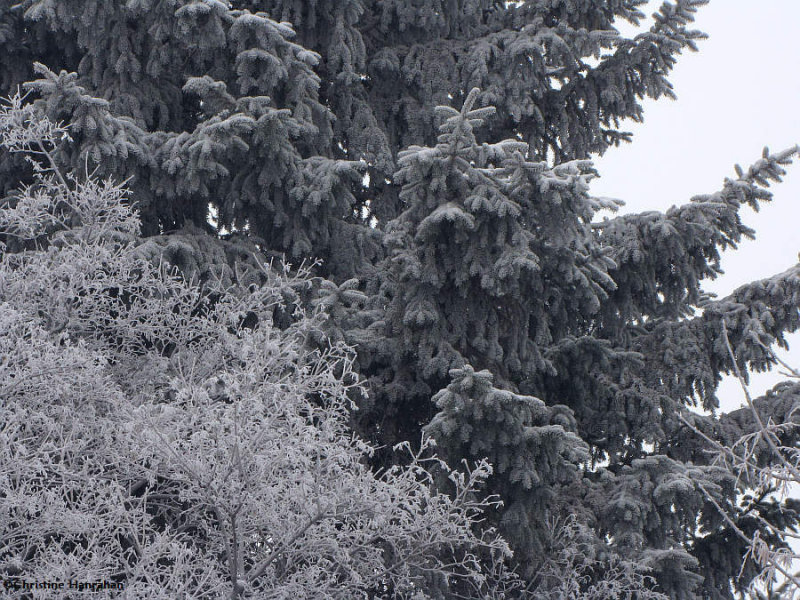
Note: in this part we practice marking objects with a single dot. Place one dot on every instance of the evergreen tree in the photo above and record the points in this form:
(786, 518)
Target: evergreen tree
(496, 262)
(232, 107)
(431, 157)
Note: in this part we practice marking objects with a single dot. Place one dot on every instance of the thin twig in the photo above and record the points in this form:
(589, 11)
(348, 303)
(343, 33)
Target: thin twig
(750, 542)
(769, 437)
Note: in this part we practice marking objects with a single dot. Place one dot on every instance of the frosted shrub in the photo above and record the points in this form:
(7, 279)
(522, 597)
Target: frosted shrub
(172, 441)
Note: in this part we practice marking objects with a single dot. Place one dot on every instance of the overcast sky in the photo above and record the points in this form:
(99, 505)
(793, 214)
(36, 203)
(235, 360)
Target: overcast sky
(738, 94)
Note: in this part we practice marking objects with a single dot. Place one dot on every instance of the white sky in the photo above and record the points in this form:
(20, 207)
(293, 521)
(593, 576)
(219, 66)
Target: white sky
(738, 94)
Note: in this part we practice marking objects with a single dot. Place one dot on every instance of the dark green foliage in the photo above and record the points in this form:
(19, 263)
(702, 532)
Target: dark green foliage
(238, 109)
(429, 158)
(531, 445)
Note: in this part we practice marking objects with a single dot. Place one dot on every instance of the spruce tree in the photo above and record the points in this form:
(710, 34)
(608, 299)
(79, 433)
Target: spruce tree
(430, 157)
